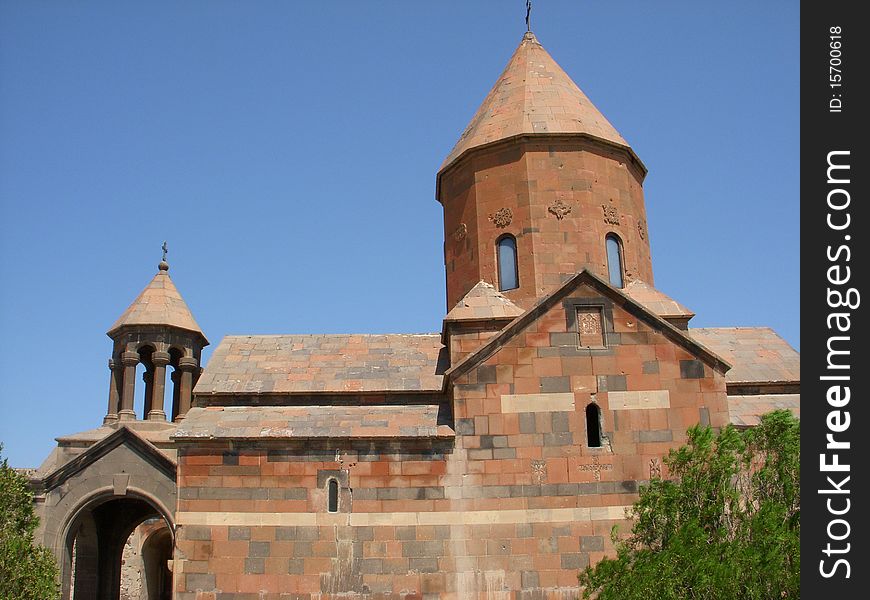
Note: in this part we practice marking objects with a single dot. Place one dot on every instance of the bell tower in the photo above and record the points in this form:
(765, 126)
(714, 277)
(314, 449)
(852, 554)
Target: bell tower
(158, 332)
(539, 186)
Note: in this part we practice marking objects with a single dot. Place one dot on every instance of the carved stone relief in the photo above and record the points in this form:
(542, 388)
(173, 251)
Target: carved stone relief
(502, 217)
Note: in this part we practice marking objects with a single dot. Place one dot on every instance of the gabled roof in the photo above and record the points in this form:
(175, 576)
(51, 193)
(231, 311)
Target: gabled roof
(385, 422)
(533, 96)
(547, 302)
(483, 301)
(656, 301)
(159, 303)
(305, 364)
(757, 354)
(121, 436)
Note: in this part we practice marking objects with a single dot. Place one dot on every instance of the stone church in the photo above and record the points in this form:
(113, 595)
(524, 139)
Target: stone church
(488, 460)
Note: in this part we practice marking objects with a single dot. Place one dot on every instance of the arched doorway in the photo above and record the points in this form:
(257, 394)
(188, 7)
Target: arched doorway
(94, 544)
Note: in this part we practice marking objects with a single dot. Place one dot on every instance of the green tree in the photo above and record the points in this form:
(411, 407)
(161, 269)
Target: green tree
(27, 571)
(726, 525)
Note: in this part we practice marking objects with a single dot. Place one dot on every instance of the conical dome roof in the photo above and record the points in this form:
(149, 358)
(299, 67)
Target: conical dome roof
(159, 303)
(533, 96)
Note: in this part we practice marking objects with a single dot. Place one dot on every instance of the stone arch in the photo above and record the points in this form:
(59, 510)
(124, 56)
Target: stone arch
(157, 548)
(96, 531)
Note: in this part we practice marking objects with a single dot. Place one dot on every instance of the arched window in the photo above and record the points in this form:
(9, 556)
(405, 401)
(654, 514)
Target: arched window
(508, 274)
(332, 492)
(593, 426)
(614, 259)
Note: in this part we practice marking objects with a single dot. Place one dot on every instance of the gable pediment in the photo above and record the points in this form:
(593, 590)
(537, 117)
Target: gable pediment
(123, 441)
(612, 296)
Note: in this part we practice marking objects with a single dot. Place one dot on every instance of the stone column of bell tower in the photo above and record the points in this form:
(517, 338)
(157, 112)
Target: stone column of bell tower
(540, 164)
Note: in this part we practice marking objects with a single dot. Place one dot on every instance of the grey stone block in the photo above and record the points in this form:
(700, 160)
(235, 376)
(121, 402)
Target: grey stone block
(296, 566)
(259, 549)
(424, 565)
(308, 533)
(591, 543)
(504, 453)
(551, 385)
(406, 533)
(564, 438)
(691, 369)
(486, 374)
(571, 340)
(560, 422)
(422, 549)
(530, 579)
(196, 532)
(628, 486)
(616, 383)
(283, 534)
(465, 426)
(200, 581)
(573, 562)
(658, 435)
(255, 566)
(527, 423)
(650, 367)
(239, 533)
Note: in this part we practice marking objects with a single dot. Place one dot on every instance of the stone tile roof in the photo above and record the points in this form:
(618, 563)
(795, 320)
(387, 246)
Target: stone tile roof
(746, 411)
(159, 303)
(533, 95)
(756, 354)
(483, 301)
(298, 364)
(313, 422)
(656, 301)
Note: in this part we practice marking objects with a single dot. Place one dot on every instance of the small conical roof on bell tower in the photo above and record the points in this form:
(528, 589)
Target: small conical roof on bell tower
(533, 96)
(159, 303)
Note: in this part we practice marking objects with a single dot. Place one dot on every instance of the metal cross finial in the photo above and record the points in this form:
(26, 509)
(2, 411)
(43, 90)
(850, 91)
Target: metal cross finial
(165, 250)
(528, 15)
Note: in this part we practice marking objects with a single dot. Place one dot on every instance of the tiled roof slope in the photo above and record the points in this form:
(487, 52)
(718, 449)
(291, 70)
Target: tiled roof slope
(746, 411)
(533, 95)
(313, 422)
(159, 303)
(655, 301)
(756, 354)
(483, 302)
(297, 364)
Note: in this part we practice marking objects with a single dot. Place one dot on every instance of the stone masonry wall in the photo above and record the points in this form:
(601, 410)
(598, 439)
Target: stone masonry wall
(514, 508)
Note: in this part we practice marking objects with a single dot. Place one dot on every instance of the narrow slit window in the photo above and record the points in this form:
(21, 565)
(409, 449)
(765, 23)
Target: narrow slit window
(332, 491)
(593, 426)
(508, 273)
(614, 260)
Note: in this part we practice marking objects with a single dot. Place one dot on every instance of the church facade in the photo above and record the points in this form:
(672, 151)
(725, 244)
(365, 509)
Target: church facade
(488, 460)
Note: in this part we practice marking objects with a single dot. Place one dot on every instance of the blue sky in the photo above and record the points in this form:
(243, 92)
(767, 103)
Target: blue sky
(287, 152)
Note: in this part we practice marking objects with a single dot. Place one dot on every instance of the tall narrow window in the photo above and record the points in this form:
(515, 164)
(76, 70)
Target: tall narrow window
(614, 260)
(332, 490)
(593, 426)
(508, 275)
